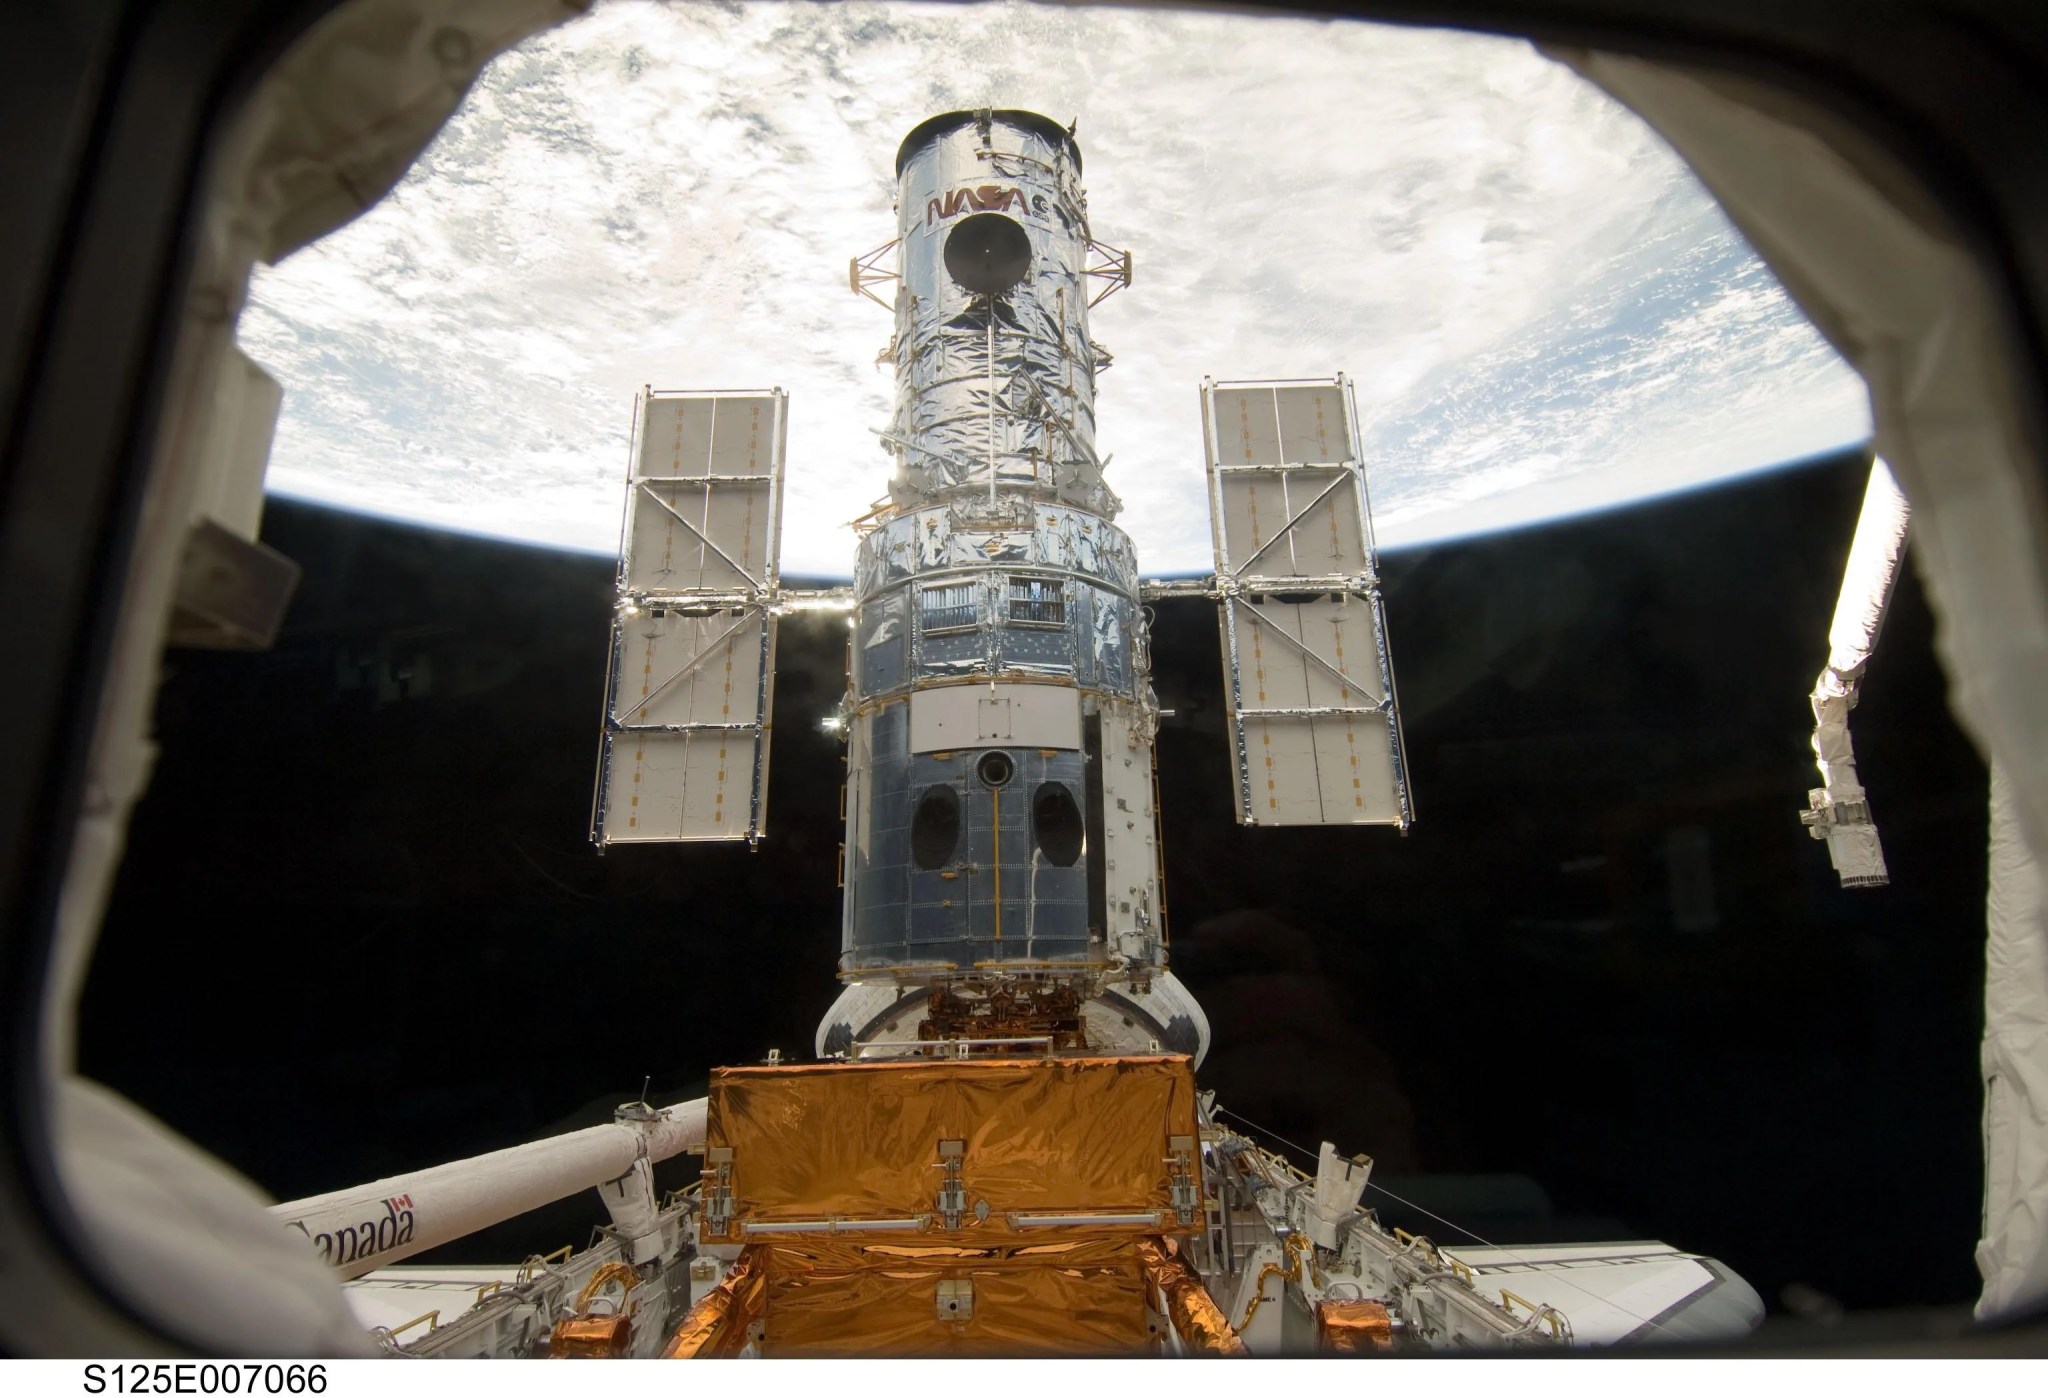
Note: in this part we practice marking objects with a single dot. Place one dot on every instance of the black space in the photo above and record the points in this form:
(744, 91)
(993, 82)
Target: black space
(360, 929)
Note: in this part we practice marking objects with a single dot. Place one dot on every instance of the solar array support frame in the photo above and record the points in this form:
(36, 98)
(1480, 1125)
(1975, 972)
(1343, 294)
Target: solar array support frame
(1297, 571)
(698, 594)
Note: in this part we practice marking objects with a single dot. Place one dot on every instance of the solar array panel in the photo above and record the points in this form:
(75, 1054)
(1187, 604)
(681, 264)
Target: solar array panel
(1314, 725)
(685, 746)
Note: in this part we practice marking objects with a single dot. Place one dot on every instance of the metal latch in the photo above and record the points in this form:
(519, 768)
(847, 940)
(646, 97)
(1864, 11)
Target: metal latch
(951, 1205)
(718, 1192)
(1180, 1176)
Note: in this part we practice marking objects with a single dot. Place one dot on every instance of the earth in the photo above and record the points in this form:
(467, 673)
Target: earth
(1542, 310)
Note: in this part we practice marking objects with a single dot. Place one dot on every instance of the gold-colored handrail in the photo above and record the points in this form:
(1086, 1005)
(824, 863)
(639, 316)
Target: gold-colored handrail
(432, 1318)
(535, 1264)
(1547, 1314)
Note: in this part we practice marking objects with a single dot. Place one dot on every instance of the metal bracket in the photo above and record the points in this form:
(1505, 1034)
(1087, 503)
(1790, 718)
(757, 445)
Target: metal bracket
(951, 1205)
(1114, 270)
(1182, 1190)
(1154, 589)
(864, 274)
(718, 1202)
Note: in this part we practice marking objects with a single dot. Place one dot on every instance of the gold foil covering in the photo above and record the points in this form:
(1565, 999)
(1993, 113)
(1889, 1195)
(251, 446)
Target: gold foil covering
(590, 1337)
(837, 1296)
(835, 1145)
(852, 1141)
(1196, 1318)
(716, 1326)
(1353, 1327)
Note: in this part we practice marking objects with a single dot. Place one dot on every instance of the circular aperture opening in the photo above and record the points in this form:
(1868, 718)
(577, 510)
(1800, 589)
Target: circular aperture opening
(988, 253)
(935, 828)
(1057, 825)
(995, 769)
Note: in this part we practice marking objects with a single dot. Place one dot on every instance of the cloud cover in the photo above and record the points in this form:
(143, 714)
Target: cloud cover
(1542, 310)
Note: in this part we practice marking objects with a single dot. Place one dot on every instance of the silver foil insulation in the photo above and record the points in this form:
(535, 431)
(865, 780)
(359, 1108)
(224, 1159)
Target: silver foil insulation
(994, 391)
(1000, 709)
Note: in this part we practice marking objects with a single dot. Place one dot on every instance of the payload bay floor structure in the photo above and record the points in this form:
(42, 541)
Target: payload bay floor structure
(1001, 1147)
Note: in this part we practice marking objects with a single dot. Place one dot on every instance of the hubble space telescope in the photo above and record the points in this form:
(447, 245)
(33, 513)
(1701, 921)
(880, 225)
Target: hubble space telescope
(1002, 840)
(1000, 1148)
